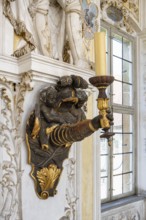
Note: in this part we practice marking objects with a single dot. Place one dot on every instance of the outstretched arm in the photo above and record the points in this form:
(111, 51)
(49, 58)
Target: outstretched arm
(65, 135)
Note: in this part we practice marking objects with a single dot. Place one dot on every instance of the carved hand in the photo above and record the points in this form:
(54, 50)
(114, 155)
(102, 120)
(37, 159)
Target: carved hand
(96, 121)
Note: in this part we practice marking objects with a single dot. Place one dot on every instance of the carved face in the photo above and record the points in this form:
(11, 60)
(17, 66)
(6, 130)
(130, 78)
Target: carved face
(49, 96)
(67, 97)
(82, 98)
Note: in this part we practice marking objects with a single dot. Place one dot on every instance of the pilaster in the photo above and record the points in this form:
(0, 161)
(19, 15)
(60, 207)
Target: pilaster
(141, 126)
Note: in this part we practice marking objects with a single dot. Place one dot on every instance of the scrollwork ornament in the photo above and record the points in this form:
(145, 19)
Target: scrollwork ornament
(12, 98)
(71, 198)
(20, 29)
(119, 13)
(47, 177)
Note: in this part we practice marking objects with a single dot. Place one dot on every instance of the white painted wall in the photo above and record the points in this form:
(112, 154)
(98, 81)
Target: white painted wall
(141, 125)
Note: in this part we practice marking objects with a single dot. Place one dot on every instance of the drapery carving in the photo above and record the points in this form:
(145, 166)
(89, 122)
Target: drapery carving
(57, 29)
(12, 98)
(19, 29)
(56, 22)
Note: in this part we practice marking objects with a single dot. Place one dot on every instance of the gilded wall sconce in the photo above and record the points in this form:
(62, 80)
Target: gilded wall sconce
(55, 124)
(101, 83)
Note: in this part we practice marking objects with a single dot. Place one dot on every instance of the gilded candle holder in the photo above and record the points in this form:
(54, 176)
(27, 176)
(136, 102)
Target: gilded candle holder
(101, 83)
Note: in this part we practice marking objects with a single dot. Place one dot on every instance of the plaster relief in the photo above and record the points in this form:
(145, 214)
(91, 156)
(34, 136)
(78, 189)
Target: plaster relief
(134, 8)
(122, 14)
(61, 30)
(58, 25)
(20, 29)
(130, 212)
(12, 98)
(71, 198)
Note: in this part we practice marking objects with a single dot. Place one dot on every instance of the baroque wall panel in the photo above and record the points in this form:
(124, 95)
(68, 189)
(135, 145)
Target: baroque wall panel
(71, 192)
(123, 14)
(12, 96)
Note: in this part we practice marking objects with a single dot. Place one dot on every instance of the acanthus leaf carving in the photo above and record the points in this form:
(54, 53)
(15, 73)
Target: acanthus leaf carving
(71, 197)
(12, 100)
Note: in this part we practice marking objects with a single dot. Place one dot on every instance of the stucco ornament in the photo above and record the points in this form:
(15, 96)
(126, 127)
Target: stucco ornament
(133, 211)
(127, 215)
(20, 29)
(71, 198)
(134, 8)
(12, 99)
(90, 19)
(58, 21)
(121, 14)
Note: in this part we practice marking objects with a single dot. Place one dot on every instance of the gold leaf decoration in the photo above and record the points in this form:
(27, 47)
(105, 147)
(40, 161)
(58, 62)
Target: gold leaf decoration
(36, 128)
(48, 176)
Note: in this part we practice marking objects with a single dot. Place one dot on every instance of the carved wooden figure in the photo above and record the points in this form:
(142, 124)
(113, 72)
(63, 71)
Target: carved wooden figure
(56, 123)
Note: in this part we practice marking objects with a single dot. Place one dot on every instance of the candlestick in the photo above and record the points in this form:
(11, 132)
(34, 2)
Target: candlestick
(100, 53)
(101, 83)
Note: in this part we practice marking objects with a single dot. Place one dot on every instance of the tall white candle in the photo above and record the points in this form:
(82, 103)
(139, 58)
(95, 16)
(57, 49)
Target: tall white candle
(100, 53)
